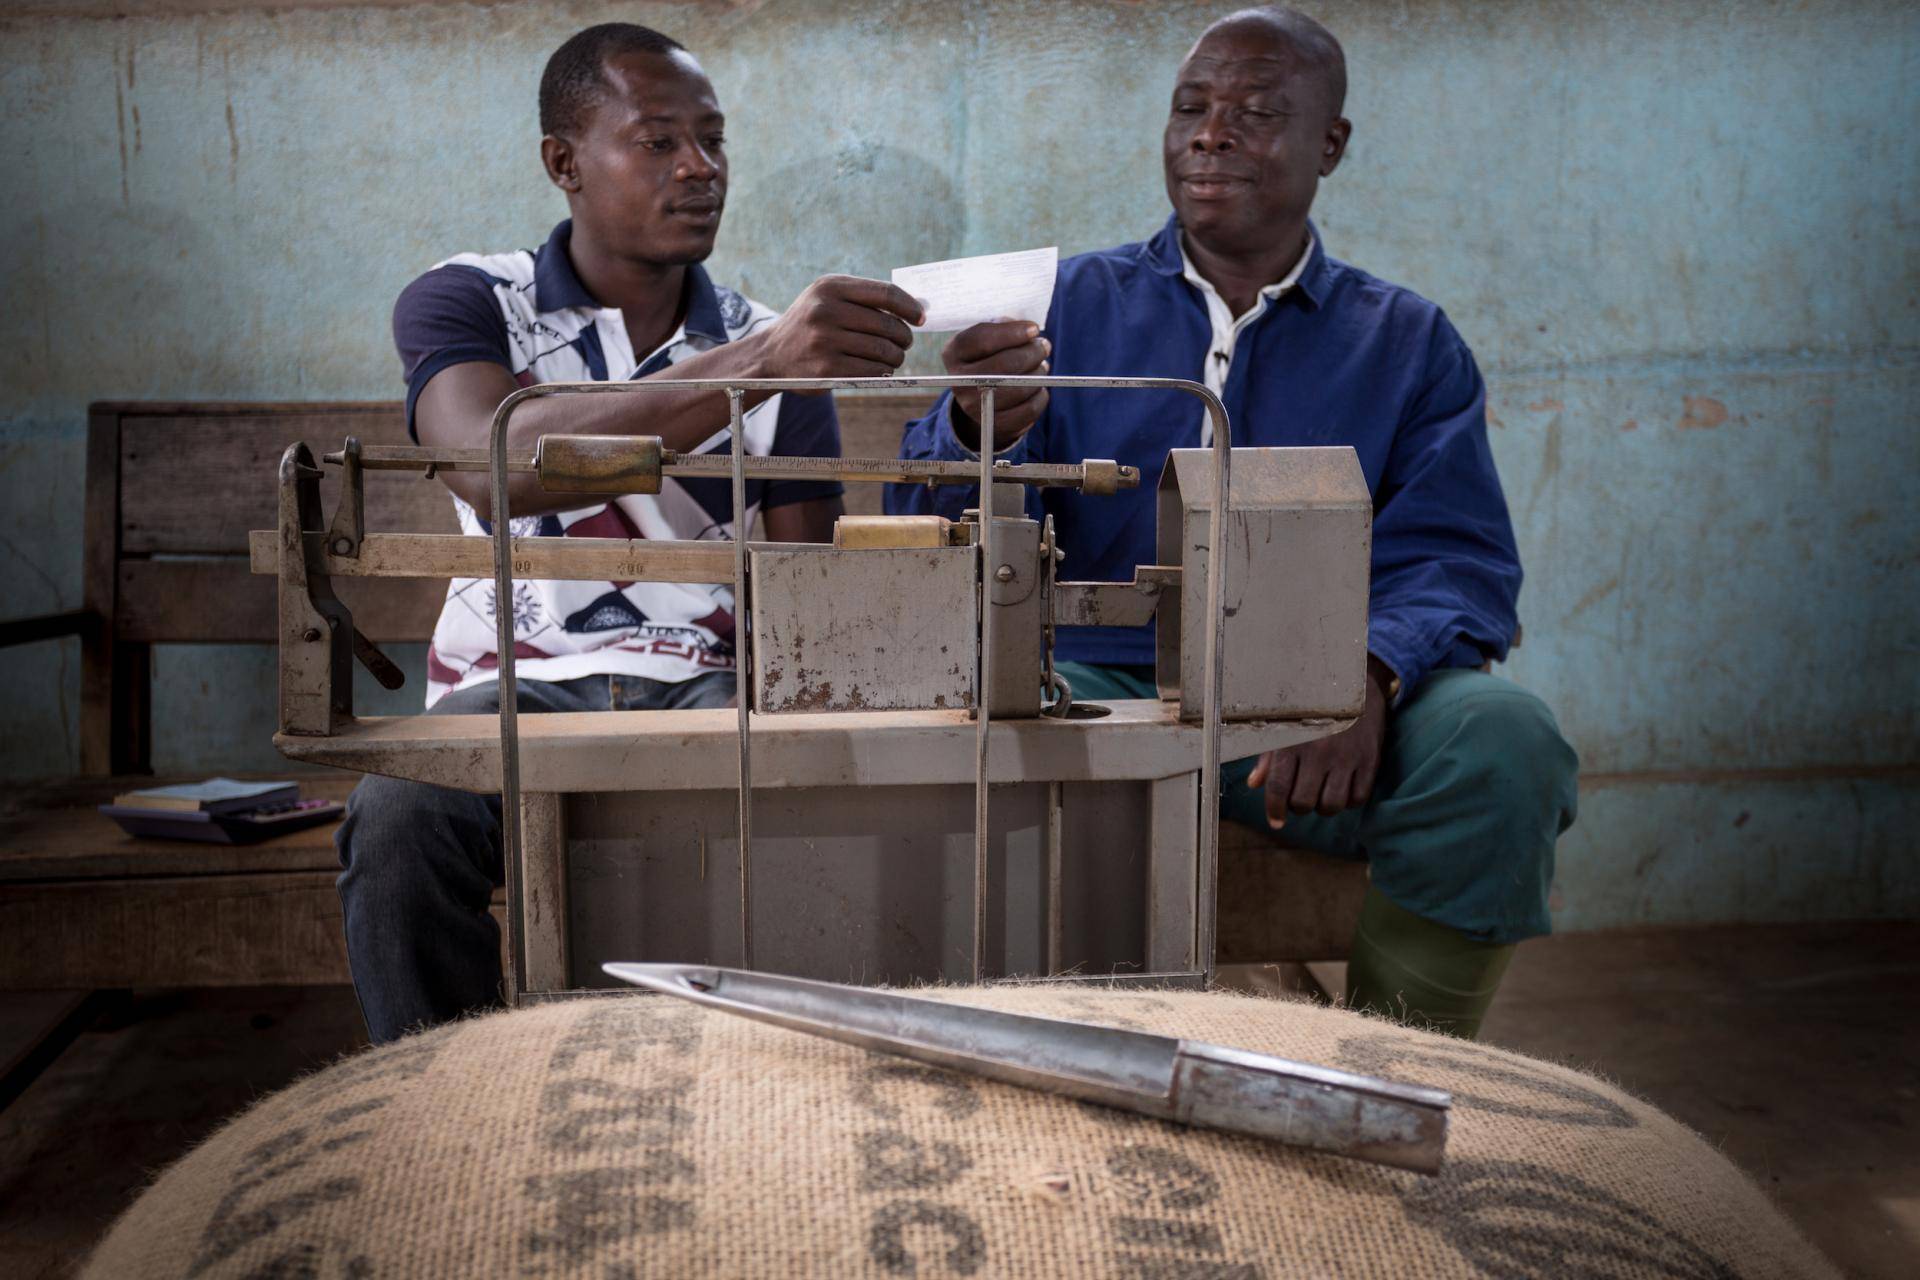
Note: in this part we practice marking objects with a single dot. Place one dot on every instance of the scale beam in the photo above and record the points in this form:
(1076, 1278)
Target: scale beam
(635, 464)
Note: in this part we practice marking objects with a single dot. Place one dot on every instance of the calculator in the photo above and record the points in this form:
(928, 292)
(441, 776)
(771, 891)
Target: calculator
(244, 827)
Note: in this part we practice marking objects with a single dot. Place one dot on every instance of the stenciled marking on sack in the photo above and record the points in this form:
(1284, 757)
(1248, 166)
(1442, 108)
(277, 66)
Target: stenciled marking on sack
(275, 1191)
(618, 1031)
(583, 1114)
(1173, 1240)
(594, 1208)
(957, 1096)
(1514, 1217)
(887, 1238)
(307, 1261)
(644, 1129)
(1169, 1233)
(893, 1161)
(1145, 1267)
(1477, 1065)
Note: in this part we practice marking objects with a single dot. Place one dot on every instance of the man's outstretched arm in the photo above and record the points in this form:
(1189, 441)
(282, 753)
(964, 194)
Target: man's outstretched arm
(841, 327)
(809, 521)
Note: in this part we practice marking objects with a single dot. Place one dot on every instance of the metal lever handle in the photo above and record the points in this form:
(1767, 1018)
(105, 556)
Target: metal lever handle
(598, 464)
(379, 664)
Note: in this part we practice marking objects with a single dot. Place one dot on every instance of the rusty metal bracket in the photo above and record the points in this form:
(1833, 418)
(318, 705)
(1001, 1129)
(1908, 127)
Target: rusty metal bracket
(1114, 604)
(349, 527)
(316, 665)
(344, 538)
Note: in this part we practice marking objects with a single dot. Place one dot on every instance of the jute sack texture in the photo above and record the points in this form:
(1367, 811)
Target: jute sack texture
(641, 1136)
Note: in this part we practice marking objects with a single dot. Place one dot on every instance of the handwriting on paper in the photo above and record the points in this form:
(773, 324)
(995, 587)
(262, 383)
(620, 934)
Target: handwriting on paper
(968, 291)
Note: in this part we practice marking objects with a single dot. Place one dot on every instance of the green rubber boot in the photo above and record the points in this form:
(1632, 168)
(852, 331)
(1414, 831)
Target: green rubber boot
(1421, 973)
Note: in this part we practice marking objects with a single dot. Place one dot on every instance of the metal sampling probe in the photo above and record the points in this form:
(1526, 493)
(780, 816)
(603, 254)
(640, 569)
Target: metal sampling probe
(1185, 1081)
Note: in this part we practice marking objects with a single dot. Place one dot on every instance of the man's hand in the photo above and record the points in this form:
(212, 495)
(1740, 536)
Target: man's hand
(1009, 347)
(1328, 775)
(841, 327)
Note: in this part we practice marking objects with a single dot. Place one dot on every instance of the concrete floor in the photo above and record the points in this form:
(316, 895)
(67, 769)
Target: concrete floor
(1795, 1049)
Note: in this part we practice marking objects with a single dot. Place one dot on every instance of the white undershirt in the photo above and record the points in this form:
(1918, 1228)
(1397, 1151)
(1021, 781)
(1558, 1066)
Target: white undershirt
(1226, 329)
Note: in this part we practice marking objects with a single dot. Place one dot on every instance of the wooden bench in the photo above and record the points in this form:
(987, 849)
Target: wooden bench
(83, 905)
(171, 493)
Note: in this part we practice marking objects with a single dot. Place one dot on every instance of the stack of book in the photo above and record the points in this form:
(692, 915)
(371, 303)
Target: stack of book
(219, 811)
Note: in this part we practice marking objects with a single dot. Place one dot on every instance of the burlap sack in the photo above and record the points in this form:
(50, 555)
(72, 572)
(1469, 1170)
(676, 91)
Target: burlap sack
(641, 1136)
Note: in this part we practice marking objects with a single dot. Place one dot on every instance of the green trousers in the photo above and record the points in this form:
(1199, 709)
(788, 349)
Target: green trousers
(1475, 785)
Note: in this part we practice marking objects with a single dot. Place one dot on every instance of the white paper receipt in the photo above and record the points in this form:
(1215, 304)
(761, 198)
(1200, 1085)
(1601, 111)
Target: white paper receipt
(968, 291)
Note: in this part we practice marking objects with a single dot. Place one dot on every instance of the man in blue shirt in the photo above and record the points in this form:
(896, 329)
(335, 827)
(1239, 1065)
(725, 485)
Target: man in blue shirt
(1454, 784)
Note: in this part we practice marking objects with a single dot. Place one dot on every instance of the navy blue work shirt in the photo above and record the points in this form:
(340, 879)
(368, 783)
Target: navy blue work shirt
(1342, 358)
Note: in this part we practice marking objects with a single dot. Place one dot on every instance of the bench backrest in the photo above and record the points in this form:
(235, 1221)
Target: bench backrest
(172, 491)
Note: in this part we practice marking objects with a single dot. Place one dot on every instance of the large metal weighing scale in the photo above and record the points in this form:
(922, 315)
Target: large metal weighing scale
(906, 790)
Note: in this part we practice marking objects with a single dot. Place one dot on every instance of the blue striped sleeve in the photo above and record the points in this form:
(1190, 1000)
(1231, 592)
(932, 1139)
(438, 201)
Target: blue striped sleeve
(446, 317)
(808, 427)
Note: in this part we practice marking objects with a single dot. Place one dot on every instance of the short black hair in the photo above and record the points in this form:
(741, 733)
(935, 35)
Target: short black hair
(1315, 45)
(576, 74)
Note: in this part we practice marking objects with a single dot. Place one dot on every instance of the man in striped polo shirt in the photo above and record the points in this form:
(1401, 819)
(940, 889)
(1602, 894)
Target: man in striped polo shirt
(634, 138)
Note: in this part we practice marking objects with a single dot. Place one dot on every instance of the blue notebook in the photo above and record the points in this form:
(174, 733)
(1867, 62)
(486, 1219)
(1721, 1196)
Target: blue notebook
(214, 796)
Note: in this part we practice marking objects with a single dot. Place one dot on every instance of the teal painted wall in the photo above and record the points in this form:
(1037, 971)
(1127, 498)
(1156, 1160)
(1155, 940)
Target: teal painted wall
(1680, 237)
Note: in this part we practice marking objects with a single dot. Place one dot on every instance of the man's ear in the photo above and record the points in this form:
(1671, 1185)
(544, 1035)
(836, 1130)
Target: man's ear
(1333, 147)
(563, 168)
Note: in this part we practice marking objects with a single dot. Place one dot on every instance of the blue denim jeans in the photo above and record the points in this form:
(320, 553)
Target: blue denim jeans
(420, 863)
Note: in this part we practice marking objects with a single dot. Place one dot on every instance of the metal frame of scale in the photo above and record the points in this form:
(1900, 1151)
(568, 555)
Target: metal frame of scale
(735, 389)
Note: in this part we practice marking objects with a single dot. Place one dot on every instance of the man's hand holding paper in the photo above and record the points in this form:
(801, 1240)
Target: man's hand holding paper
(1009, 347)
(998, 303)
(841, 327)
(962, 292)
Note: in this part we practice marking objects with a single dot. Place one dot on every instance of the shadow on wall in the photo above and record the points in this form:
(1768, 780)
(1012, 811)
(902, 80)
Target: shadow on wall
(905, 211)
(162, 262)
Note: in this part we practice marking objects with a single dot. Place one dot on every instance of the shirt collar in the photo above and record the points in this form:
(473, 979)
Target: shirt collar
(1269, 292)
(703, 306)
(1168, 256)
(557, 287)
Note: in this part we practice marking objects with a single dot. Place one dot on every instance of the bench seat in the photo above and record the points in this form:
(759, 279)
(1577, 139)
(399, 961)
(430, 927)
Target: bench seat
(84, 905)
